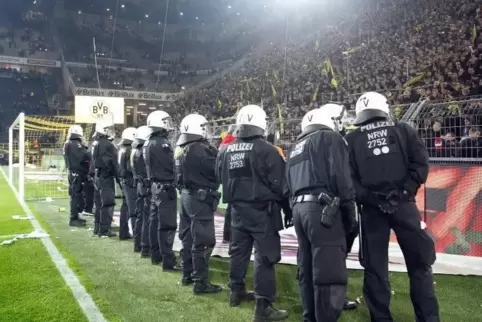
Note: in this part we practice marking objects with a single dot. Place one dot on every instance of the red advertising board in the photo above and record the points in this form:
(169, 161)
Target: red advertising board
(451, 203)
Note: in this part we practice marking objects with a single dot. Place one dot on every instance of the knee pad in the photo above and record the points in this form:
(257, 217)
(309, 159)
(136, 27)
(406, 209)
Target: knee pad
(269, 260)
(107, 197)
(329, 265)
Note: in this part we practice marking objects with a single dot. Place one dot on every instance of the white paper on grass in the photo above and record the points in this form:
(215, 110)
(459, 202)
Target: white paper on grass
(22, 217)
(32, 235)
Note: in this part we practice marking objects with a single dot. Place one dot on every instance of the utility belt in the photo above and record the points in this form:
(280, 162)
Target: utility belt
(305, 198)
(163, 182)
(165, 186)
(77, 173)
(209, 196)
(129, 180)
(99, 172)
(330, 206)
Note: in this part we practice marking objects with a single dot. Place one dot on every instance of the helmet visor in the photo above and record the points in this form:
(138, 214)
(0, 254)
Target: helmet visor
(168, 123)
(110, 132)
(208, 130)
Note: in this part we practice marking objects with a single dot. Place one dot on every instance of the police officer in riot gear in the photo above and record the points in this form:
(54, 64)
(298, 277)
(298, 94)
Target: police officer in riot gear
(77, 163)
(345, 127)
(196, 178)
(319, 184)
(389, 164)
(159, 159)
(128, 208)
(228, 138)
(143, 201)
(86, 204)
(88, 194)
(251, 170)
(104, 161)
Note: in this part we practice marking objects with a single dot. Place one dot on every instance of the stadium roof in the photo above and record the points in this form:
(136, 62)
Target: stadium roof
(179, 12)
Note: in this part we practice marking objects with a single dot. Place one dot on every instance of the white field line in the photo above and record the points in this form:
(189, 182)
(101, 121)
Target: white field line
(84, 299)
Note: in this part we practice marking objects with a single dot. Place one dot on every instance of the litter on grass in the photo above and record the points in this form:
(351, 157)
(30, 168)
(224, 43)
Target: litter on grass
(32, 235)
(22, 217)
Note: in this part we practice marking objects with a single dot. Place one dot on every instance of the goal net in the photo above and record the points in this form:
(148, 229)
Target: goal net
(36, 166)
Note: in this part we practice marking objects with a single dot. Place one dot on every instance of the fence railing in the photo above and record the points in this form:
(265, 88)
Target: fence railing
(450, 130)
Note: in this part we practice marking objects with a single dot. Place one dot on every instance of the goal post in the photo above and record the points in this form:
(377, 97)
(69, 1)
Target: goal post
(16, 177)
(36, 167)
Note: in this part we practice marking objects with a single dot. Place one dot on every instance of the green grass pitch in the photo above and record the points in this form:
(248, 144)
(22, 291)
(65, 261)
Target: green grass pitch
(127, 288)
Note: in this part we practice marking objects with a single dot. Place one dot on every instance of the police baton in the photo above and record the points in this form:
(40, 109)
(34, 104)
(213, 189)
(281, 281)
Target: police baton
(360, 231)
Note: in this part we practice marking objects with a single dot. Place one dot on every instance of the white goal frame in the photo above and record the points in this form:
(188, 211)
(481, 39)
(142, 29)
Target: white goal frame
(18, 124)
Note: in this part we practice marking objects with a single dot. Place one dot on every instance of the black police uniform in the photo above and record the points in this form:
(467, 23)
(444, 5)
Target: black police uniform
(77, 162)
(196, 177)
(129, 189)
(319, 163)
(104, 159)
(87, 202)
(227, 212)
(87, 205)
(389, 163)
(159, 159)
(350, 241)
(143, 201)
(88, 195)
(252, 173)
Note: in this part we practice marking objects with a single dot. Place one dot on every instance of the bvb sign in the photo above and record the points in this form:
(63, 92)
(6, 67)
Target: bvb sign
(99, 110)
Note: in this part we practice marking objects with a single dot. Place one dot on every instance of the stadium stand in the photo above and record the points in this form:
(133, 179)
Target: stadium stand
(22, 92)
(432, 54)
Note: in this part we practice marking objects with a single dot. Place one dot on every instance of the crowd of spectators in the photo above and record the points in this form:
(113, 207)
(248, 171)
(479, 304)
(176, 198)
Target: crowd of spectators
(138, 58)
(21, 91)
(25, 35)
(407, 50)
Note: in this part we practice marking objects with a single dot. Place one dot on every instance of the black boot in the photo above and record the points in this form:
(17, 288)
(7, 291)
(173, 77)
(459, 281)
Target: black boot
(235, 298)
(174, 267)
(77, 223)
(96, 230)
(106, 233)
(186, 281)
(349, 305)
(265, 312)
(125, 237)
(145, 254)
(201, 288)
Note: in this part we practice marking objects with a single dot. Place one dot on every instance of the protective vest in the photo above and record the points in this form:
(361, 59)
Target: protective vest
(380, 156)
(123, 160)
(138, 165)
(306, 167)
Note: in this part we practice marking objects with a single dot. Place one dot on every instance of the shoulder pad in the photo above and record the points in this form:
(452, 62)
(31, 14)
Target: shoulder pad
(167, 146)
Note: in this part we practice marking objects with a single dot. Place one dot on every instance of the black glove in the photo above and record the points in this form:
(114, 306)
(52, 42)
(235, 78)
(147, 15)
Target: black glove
(118, 182)
(288, 221)
(392, 201)
(349, 217)
(393, 195)
(411, 187)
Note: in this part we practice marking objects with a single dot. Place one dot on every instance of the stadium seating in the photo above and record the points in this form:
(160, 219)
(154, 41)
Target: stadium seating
(407, 50)
(21, 92)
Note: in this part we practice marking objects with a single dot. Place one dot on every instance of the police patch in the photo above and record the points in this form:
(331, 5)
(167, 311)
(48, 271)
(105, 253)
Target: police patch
(299, 148)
